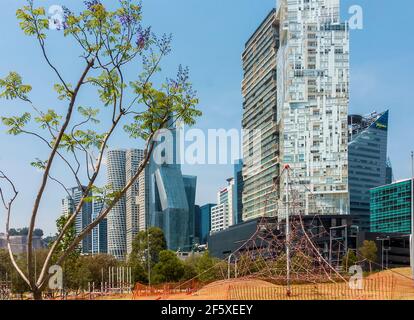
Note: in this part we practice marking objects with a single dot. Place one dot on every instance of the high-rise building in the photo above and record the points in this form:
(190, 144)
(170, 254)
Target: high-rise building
(261, 136)
(167, 196)
(295, 90)
(83, 219)
(203, 222)
(100, 232)
(368, 166)
(123, 219)
(143, 199)
(222, 215)
(134, 157)
(312, 103)
(391, 207)
(116, 179)
(238, 192)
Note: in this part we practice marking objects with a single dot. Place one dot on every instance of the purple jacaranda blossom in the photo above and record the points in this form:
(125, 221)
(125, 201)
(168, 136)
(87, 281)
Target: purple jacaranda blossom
(126, 19)
(66, 14)
(143, 37)
(91, 3)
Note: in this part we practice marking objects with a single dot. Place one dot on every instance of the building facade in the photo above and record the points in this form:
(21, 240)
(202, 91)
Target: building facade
(203, 222)
(261, 136)
(391, 207)
(100, 232)
(116, 179)
(312, 103)
(296, 96)
(222, 215)
(368, 167)
(83, 219)
(167, 195)
(238, 192)
(134, 157)
(124, 218)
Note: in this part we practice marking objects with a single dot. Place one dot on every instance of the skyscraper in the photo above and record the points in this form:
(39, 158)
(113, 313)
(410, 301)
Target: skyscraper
(368, 166)
(222, 215)
(83, 219)
(133, 159)
(116, 178)
(124, 218)
(295, 91)
(100, 232)
(261, 136)
(238, 192)
(312, 103)
(169, 196)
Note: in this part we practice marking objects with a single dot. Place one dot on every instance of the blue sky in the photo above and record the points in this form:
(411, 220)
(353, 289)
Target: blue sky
(209, 37)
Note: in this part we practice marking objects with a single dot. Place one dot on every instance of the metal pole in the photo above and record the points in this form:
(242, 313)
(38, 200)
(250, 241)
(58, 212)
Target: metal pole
(412, 214)
(228, 267)
(287, 232)
(235, 268)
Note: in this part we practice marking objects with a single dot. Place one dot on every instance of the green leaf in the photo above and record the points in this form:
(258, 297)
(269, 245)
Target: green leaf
(12, 87)
(16, 123)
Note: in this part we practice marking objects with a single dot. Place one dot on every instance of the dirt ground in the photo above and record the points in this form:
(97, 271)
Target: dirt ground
(395, 284)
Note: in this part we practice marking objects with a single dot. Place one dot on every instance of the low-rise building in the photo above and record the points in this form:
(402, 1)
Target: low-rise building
(391, 207)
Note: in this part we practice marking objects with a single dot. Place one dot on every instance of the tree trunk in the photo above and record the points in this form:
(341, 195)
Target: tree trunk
(37, 294)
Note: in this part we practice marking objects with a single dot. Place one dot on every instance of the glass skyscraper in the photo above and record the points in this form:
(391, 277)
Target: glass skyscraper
(116, 179)
(261, 136)
(238, 192)
(83, 219)
(100, 232)
(170, 195)
(134, 157)
(368, 168)
(123, 219)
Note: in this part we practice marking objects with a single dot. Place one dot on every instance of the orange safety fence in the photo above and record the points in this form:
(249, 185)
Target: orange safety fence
(372, 289)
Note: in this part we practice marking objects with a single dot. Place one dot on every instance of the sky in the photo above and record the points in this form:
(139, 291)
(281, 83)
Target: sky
(208, 37)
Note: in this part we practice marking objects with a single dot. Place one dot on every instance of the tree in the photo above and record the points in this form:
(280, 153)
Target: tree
(98, 266)
(153, 241)
(349, 260)
(109, 42)
(169, 268)
(206, 267)
(369, 252)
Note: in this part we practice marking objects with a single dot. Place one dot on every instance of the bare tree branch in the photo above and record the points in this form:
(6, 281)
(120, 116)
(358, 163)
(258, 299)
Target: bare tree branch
(8, 207)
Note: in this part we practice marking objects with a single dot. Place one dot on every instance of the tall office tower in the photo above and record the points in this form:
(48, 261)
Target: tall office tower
(222, 215)
(261, 138)
(116, 179)
(100, 232)
(143, 200)
(133, 159)
(171, 196)
(83, 219)
(368, 166)
(312, 103)
(238, 192)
